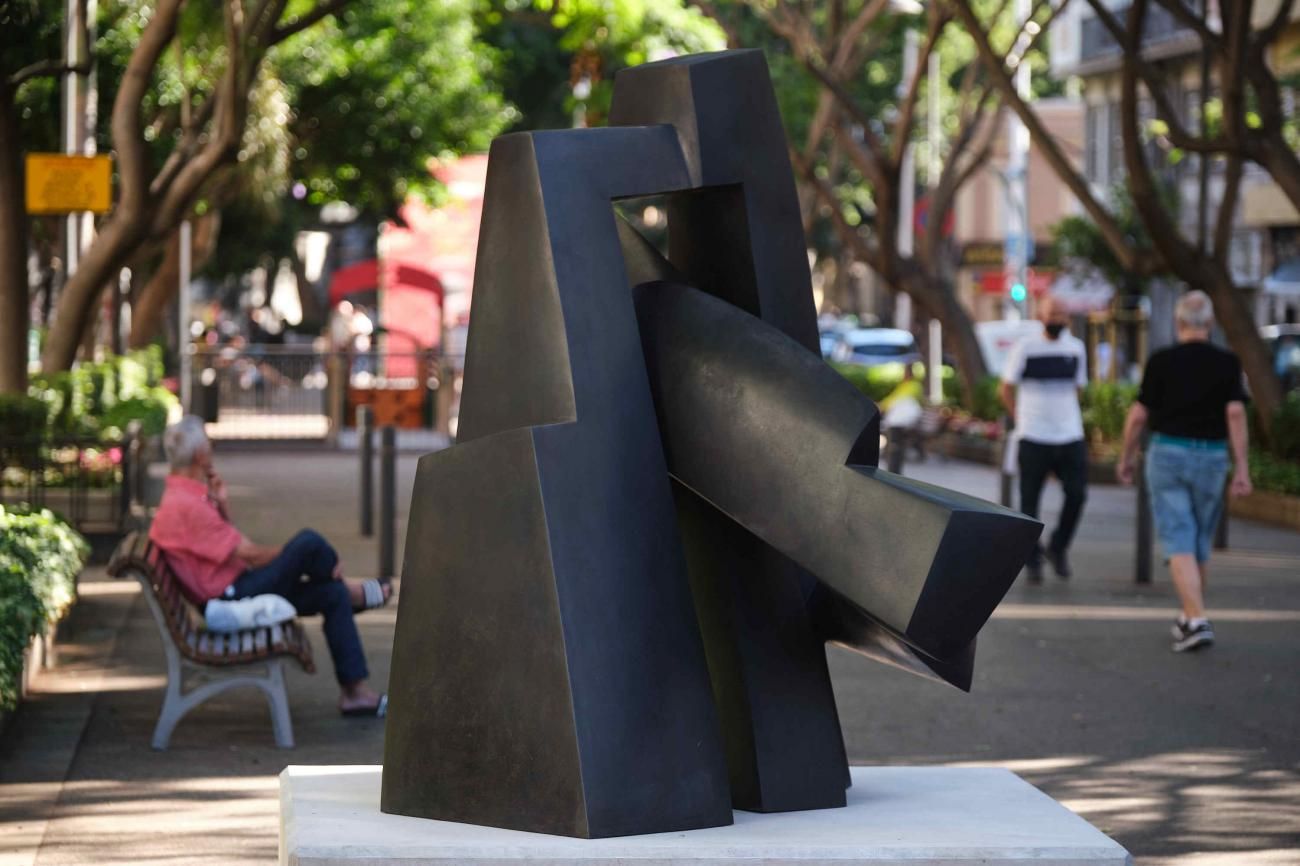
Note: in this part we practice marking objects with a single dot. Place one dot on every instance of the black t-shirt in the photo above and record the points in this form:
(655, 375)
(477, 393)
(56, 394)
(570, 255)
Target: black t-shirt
(1187, 387)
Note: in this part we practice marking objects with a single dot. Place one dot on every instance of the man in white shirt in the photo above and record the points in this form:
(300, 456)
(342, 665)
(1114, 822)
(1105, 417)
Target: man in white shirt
(1040, 390)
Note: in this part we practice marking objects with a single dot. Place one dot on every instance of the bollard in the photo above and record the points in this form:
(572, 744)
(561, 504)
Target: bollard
(366, 448)
(1142, 566)
(387, 499)
(1004, 471)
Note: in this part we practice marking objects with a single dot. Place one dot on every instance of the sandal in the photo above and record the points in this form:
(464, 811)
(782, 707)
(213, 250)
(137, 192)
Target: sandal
(378, 711)
(373, 592)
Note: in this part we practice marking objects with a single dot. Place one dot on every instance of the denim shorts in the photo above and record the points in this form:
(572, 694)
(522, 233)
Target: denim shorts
(1185, 479)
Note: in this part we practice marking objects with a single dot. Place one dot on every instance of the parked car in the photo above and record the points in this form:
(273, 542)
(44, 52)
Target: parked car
(831, 329)
(872, 346)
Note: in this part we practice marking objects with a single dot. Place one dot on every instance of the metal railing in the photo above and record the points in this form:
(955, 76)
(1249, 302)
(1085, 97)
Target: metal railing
(86, 480)
(300, 393)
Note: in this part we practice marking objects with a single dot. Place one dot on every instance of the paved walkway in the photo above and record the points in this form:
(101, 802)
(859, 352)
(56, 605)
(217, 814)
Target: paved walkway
(1182, 759)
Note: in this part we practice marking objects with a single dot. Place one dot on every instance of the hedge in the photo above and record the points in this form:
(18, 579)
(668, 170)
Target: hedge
(96, 399)
(40, 557)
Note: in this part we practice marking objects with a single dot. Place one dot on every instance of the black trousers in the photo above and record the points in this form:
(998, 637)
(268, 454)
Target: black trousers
(1068, 462)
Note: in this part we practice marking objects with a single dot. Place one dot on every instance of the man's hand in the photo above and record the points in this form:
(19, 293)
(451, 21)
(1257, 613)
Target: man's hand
(1241, 485)
(217, 489)
(1125, 470)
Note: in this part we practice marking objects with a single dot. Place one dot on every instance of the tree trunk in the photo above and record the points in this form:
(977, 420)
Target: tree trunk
(1234, 317)
(1210, 274)
(13, 253)
(78, 302)
(162, 286)
(936, 295)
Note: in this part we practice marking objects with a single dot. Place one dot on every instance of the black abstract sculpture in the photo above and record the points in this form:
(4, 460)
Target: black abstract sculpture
(619, 583)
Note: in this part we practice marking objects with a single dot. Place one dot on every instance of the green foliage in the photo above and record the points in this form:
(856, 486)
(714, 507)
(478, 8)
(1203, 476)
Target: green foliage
(1084, 252)
(151, 410)
(877, 381)
(540, 44)
(19, 621)
(1105, 405)
(21, 416)
(1285, 441)
(985, 404)
(99, 398)
(40, 557)
(378, 91)
(1275, 474)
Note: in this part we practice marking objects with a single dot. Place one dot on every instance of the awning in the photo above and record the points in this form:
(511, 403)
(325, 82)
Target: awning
(354, 279)
(1285, 280)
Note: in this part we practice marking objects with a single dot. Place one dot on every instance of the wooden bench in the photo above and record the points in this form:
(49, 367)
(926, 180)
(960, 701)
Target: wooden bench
(252, 657)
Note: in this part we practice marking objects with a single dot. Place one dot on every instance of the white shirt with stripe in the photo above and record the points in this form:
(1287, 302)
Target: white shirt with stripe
(1047, 374)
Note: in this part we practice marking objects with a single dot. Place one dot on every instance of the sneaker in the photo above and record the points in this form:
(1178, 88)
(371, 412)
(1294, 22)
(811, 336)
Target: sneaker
(1060, 564)
(1194, 637)
(1179, 628)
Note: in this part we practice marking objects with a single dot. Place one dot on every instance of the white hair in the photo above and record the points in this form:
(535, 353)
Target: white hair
(184, 440)
(1195, 311)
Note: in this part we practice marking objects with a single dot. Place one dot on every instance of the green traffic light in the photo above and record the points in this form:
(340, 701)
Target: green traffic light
(1018, 292)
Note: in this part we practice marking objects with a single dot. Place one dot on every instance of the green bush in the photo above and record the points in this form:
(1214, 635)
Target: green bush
(1274, 474)
(99, 398)
(876, 382)
(1286, 429)
(21, 416)
(40, 557)
(149, 409)
(1105, 405)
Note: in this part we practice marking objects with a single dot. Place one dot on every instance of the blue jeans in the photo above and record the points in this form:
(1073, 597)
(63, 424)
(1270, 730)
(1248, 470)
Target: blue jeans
(1185, 482)
(303, 573)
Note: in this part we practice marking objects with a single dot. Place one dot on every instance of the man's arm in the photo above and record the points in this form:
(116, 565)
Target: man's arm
(1007, 395)
(1134, 424)
(254, 554)
(1239, 436)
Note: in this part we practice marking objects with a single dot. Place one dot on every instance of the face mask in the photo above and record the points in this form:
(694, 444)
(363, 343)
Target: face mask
(1054, 329)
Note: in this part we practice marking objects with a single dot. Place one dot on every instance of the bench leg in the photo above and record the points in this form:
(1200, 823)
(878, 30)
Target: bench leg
(278, 699)
(177, 703)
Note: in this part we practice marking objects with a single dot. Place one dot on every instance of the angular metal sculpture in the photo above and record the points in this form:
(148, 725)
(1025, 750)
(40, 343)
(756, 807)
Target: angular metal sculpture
(619, 583)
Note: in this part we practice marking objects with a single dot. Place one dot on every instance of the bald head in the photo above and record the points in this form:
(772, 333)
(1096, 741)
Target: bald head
(1053, 316)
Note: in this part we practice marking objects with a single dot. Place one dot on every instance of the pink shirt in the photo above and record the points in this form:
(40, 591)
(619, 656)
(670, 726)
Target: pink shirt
(198, 542)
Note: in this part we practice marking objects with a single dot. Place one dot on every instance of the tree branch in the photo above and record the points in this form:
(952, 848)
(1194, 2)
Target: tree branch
(132, 154)
(1191, 20)
(323, 10)
(907, 110)
(1271, 31)
(47, 69)
(1178, 134)
(862, 250)
(1227, 209)
(1046, 143)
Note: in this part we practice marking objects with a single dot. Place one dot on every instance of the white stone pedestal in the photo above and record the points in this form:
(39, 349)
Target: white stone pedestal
(908, 816)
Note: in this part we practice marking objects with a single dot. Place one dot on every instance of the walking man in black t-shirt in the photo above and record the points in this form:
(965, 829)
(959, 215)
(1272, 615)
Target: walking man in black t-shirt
(1192, 399)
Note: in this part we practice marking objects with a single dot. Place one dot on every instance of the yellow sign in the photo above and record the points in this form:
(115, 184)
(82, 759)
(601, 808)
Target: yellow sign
(68, 184)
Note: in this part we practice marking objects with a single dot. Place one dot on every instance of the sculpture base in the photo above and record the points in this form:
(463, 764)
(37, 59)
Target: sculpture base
(895, 815)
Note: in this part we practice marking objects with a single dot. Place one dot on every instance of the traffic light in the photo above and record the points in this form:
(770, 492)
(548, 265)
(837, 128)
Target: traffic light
(1018, 293)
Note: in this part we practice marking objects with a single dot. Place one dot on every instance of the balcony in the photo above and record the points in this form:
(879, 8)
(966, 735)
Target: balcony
(1163, 36)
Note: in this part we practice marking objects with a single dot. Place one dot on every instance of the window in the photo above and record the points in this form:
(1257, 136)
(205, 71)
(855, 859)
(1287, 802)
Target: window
(1093, 143)
(1115, 161)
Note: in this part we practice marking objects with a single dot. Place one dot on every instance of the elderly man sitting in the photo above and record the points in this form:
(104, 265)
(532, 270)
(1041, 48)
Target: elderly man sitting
(212, 559)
